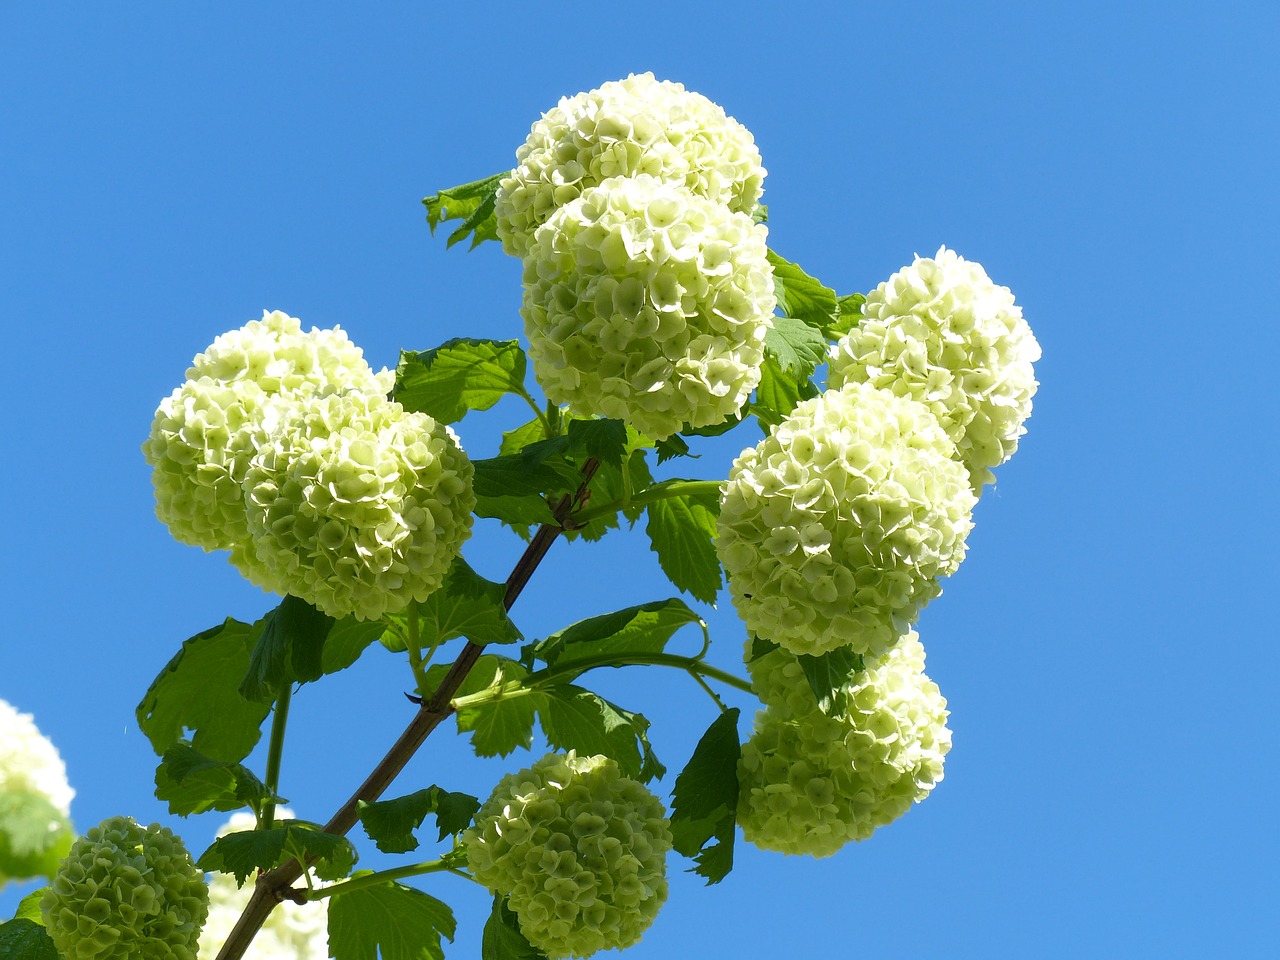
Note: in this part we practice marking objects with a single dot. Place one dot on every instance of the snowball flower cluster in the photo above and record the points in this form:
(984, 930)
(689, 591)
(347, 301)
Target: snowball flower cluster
(939, 331)
(126, 892)
(579, 850)
(282, 448)
(623, 129)
(810, 783)
(29, 762)
(293, 931)
(835, 528)
(646, 303)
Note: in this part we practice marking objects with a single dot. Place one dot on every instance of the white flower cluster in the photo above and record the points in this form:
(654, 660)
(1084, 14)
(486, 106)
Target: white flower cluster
(126, 892)
(835, 529)
(646, 303)
(29, 762)
(282, 448)
(579, 851)
(293, 931)
(939, 331)
(623, 129)
(810, 783)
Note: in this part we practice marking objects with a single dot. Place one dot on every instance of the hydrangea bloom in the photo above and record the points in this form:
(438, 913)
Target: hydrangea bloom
(293, 931)
(126, 892)
(810, 783)
(939, 331)
(835, 529)
(29, 762)
(579, 850)
(627, 127)
(648, 304)
(204, 434)
(355, 505)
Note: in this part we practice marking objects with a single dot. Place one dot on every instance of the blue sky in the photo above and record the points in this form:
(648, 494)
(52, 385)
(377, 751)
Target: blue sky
(167, 172)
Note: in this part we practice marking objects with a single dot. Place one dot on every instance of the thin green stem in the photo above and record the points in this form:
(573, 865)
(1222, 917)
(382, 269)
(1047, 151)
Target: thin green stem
(443, 865)
(275, 751)
(548, 430)
(688, 664)
(413, 643)
(662, 491)
(697, 678)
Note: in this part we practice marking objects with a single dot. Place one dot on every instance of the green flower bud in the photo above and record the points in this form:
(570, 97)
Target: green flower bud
(623, 129)
(939, 331)
(579, 850)
(835, 528)
(648, 304)
(126, 892)
(810, 783)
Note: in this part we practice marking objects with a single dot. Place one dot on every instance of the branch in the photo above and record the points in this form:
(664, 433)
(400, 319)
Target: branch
(273, 886)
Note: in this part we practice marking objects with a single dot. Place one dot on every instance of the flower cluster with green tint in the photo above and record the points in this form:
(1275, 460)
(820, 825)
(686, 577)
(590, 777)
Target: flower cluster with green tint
(29, 762)
(939, 331)
(579, 851)
(292, 931)
(126, 892)
(835, 528)
(282, 448)
(624, 129)
(810, 782)
(646, 303)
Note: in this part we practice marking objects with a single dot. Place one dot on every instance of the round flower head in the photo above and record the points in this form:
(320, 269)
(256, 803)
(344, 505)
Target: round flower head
(939, 331)
(625, 128)
(645, 303)
(126, 892)
(355, 505)
(810, 783)
(293, 931)
(205, 432)
(579, 850)
(29, 762)
(835, 529)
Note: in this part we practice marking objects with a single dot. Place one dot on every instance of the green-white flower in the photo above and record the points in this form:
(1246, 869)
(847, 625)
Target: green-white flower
(835, 528)
(625, 128)
(578, 849)
(126, 892)
(29, 762)
(939, 331)
(355, 505)
(35, 800)
(810, 783)
(646, 303)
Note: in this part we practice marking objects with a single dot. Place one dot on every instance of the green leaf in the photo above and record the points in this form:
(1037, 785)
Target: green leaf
(850, 315)
(34, 836)
(23, 939)
(603, 440)
(577, 719)
(248, 851)
(289, 649)
(503, 939)
(499, 725)
(191, 783)
(389, 920)
(199, 690)
(705, 800)
(761, 214)
(459, 376)
(682, 532)
(390, 823)
(778, 393)
(473, 204)
(759, 647)
(466, 605)
(524, 474)
(347, 639)
(635, 630)
(626, 471)
(828, 676)
(29, 907)
(797, 347)
(801, 296)
(672, 447)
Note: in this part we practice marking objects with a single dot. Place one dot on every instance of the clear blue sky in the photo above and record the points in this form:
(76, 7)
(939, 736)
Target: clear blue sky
(169, 170)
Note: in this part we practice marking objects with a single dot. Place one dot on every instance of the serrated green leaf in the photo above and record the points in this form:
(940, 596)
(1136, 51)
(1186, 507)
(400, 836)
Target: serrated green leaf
(672, 447)
(23, 939)
(499, 724)
(828, 676)
(778, 393)
(29, 907)
(199, 690)
(289, 650)
(459, 376)
(515, 440)
(801, 296)
(603, 440)
(704, 803)
(34, 836)
(759, 647)
(641, 629)
(577, 719)
(466, 605)
(248, 851)
(389, 920)
(347, 639)
(682, 532)
(797, 347)
(523, 474)
(519, 513)
(191, 783)
(503, 939)
(761, 214)
(850, 315)
(391, 823)
(472, 203)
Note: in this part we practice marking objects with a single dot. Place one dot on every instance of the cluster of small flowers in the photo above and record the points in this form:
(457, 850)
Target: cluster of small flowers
(811, 782)
(648, 291)
(32, 777)
(282, 448)
(126, 892)
(578, 850)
